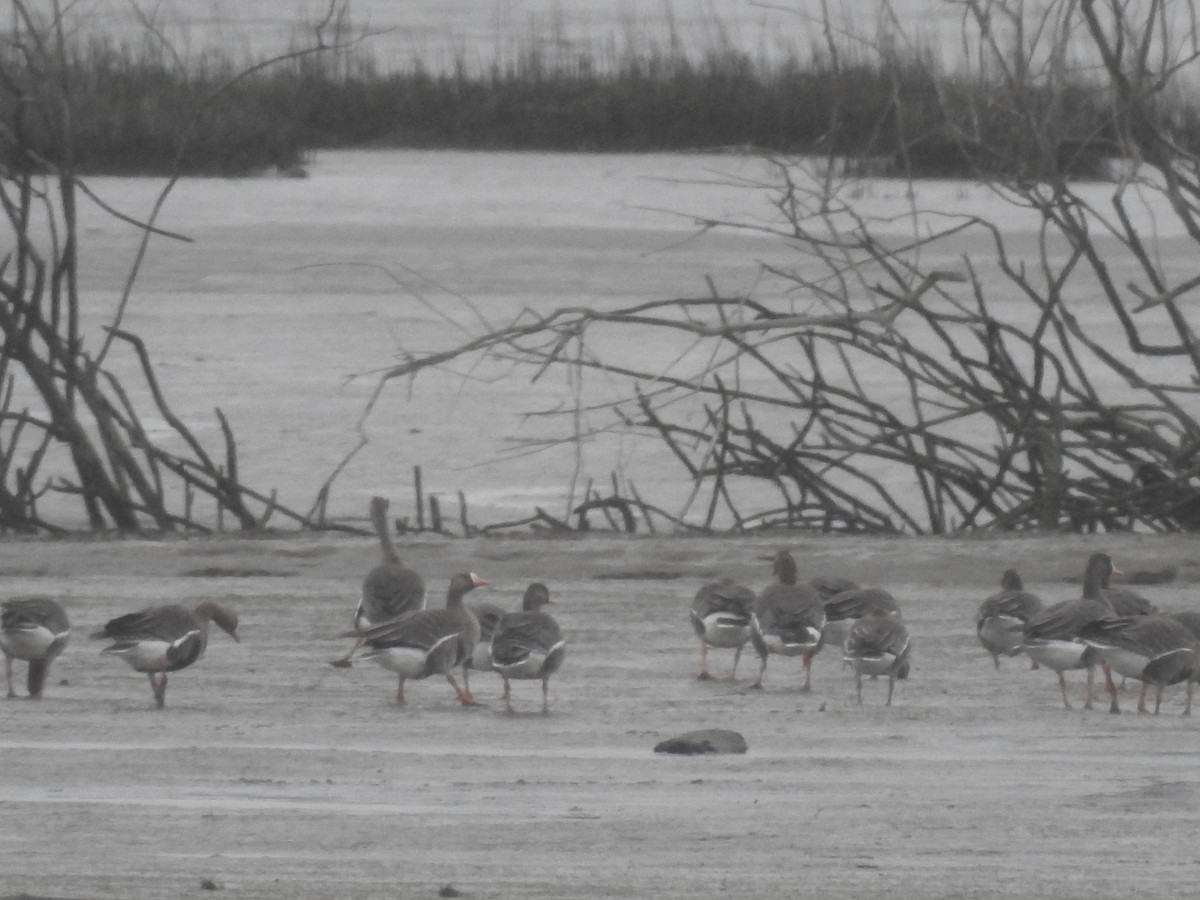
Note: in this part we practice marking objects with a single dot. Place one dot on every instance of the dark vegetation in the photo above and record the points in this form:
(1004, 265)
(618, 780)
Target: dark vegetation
(894, 113)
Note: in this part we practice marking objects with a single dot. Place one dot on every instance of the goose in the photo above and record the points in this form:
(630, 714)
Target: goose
(1052, 637)
(788, 619)
(1127, 602)
(389, 590)
(720, 616)
(1156, 649)
(164, 639)
(853, 603)
(428, 642)
(1001, 615)
(878, 644)
(528, 644)
(33, 629)
(536, 596)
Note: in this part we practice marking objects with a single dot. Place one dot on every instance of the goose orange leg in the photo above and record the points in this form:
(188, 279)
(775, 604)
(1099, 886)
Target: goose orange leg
(704, 673)
(463, 697)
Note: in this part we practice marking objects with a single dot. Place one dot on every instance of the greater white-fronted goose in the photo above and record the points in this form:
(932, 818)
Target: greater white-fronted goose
(1156, 650)
(429, 642)
(33, 629)
(1127, 602)
(844, 607)
(720, 616)
(489, 615)
(165, 639)
(788, 620)
(1001, 617)
(878, 644)
(1052, 638)
(390, 589)
(528, 644)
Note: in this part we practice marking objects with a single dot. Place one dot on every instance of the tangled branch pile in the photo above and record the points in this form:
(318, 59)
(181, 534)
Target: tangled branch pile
(951, 374)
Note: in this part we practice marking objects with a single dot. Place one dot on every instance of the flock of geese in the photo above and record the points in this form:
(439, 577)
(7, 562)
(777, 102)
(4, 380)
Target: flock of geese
(1113, 628)
(795, 618)
(392, 627)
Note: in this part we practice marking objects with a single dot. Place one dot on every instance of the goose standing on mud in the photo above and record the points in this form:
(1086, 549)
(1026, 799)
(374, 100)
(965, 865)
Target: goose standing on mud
(1155, 649)
(788, 620)
(1002, 616)
(33, 629)
(165, 639)
(390, 590)
(528, 644)
(1052, 638)
(429, 642)
(720, 616)
(878, 644)
(489, 615)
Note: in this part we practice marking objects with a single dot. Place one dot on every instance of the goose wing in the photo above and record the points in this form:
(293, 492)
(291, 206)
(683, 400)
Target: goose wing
(523, 633)
(165, 623)
(421, 629)
(723, 596)
(1064, 620)
(27, 613)
(857, 602)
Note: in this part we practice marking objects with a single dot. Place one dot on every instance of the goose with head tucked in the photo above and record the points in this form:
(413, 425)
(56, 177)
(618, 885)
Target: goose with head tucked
(1155, 649)
(33, 629)
(164, 639)
(528, 644)
(1001, 617)
(428, 642)
(720, 616)
(878, 644)
(1052, 637)
(389, 590)
(788, 620)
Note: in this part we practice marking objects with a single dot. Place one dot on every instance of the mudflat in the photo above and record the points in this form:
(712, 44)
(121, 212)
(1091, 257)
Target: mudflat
(272, 774)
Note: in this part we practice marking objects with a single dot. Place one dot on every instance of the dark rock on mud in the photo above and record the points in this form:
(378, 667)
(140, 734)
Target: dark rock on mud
(704, 740)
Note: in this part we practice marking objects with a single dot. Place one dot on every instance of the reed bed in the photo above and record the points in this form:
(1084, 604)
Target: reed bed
(139, 110)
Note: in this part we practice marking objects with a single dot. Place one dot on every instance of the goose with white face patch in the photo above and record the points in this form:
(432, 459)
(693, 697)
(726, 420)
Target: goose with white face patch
(429, 642)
